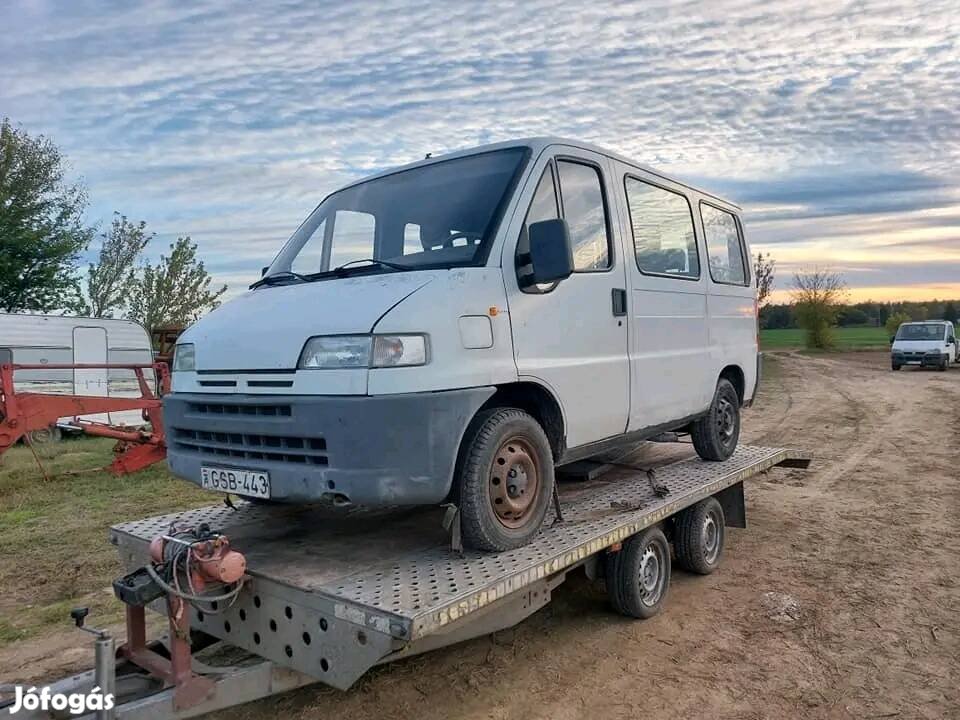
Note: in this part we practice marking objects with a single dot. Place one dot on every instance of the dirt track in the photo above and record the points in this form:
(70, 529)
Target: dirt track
(841, 600)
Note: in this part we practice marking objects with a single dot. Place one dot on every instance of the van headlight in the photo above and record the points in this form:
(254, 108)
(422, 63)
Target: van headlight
(399, 350)
(363, 351)
(184, 357)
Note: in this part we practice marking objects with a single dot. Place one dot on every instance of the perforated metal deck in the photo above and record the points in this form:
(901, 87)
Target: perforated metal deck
(393, 574)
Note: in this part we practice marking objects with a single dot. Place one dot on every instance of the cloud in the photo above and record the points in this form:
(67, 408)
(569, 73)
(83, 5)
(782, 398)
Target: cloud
(229, 122)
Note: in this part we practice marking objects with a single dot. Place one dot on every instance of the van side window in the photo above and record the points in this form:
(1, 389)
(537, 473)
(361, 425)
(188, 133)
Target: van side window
(310, 258)
(724, 246)
(411, 239)
(663, 237)
(353, 236)
(542, 207)
(584, 209)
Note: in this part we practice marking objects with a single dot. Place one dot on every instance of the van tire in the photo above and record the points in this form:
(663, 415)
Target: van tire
(895, 366)
(715, 435)
(510, 439)
(944, 362)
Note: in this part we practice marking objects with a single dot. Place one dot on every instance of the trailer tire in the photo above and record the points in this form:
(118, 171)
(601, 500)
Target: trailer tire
(715, 434)
(638, 575)
(500, 445)
(45, 436)
(698, 537)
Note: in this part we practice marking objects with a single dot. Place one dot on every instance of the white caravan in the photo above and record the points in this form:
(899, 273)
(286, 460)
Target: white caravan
(53, 340)
(931, 342)
(451, 330)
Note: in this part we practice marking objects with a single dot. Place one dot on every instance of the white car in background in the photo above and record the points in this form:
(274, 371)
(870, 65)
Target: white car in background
(932, 343)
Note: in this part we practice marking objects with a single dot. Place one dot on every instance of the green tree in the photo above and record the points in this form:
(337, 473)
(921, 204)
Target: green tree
(895, 321)
(112, 279)
(41, 228)
(817, 298)
(950, 312)
(176, 291)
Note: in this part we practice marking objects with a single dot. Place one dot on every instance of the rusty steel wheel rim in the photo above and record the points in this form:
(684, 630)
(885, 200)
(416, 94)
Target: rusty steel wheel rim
(514, 482)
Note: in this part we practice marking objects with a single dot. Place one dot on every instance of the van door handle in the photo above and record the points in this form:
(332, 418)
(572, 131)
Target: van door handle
(619, 302)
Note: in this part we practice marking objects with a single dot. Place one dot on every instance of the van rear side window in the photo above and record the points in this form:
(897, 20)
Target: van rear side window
(724, 246)
(663, 237)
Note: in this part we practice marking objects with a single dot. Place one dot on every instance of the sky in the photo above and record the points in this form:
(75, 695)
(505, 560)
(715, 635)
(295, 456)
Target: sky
(836, 125)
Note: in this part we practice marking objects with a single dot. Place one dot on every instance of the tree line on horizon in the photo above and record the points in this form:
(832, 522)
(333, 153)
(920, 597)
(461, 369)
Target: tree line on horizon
(868, 313)
(42, 237)
(818, 304)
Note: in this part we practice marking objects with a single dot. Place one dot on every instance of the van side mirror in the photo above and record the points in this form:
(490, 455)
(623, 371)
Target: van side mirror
(550, 253)
(263, 270)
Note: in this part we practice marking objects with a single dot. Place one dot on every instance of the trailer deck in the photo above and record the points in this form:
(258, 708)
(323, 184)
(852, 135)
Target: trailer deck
(333, 593)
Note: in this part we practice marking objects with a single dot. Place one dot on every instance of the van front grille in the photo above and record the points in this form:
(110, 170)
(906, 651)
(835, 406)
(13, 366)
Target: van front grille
(252, 446)
(219, 408)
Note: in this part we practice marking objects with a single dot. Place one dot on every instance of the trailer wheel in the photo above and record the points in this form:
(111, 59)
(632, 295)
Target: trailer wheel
(638, 576)
(698, 537)
(715, 434)
(505, 480)
(45, 436)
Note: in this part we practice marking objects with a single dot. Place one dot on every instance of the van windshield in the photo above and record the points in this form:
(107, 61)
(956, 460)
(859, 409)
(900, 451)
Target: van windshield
(929, 331)
(439, 215)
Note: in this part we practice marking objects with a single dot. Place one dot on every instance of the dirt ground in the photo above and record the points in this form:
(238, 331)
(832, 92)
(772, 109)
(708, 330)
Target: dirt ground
(841, 599)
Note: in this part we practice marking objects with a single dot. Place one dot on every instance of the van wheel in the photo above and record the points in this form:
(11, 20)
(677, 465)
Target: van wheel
(944, 362)
(715, 434)
(637, 577)
(895, 366)
(505, 480)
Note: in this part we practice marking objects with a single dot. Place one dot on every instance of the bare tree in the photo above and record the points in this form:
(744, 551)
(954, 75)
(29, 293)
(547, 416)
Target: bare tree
(176, 291)
(764, 267)
(111, 280)
(817, 297)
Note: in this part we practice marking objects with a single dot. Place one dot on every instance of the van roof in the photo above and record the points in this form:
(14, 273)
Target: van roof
(927, 322)
(537, 144)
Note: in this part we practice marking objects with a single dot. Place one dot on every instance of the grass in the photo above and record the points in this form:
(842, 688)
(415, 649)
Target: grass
(847, 338)
(54, 552)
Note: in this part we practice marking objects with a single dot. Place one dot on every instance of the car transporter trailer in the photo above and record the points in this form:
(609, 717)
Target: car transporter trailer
(331, 592)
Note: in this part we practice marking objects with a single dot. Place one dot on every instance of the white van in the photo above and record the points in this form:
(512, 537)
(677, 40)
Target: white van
(60, 340)
(931, 342)
(453, 329)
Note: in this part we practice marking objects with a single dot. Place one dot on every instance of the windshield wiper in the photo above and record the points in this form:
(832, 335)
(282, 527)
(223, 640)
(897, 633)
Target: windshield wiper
(277, 276)
(382, 263)
(342, 270)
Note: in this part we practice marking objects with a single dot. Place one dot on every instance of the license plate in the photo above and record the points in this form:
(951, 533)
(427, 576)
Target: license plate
(255, 483)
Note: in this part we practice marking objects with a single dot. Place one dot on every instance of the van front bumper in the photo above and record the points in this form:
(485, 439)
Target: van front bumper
(367, 450)
(932, 358)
